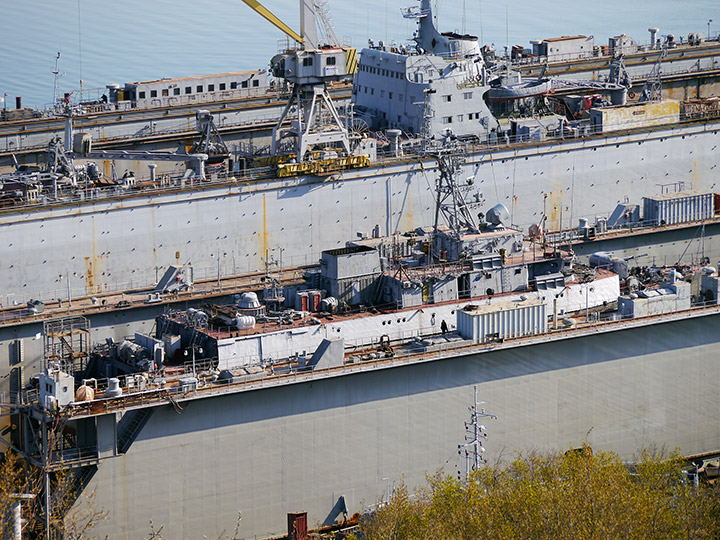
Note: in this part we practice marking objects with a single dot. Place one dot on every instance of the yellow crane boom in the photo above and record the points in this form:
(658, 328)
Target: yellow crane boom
(268, 15)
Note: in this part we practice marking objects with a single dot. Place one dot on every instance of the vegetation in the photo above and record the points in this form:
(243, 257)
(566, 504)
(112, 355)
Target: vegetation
(17, 477)
(576, 495)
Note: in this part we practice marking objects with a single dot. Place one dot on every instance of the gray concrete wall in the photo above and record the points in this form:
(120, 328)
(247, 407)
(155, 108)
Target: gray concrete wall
(110, 245)
(665, 247)
(298, 448)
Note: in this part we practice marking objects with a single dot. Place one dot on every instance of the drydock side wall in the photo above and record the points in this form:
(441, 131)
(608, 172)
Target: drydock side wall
(110, 245)
(300, 447)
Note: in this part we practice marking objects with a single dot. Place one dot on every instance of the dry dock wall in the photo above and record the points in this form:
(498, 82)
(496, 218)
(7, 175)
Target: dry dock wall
(268, 452)
(110, 245)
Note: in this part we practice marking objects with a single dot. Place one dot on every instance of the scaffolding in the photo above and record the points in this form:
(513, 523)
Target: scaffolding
(66, 344)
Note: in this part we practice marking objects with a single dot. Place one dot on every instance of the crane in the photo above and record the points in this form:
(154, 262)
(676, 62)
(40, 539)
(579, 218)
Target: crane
(314, 120)
(272, 19)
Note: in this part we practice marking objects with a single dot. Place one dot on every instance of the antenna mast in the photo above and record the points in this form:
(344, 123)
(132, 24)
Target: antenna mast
(57, 74)
(450, 201)
(474, 432)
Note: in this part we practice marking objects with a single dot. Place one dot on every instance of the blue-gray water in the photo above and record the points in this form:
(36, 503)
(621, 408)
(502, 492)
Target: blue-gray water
(117, 42)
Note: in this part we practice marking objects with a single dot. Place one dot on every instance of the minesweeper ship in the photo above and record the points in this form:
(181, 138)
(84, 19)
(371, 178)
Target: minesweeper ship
(315, 414)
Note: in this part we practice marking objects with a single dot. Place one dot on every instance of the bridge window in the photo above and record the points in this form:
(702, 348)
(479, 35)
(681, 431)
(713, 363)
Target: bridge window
(330, 61)
(467, 95)
(447, 98)
(142, 95)
(307, 61)
(211, 87)
(256, 83)
(153, 93)
(165, 92)
(188, 90)
(199, 88)
(447, 120)
(176, 91)
(390, 95)
(244, 84)
(233, 85)
(222, 86)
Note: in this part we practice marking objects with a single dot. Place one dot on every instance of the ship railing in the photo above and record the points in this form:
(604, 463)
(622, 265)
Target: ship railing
(29, 396)
(164, 183)
(574, 131)
(597, 228)
(10, 399)
(60, 459)
(167, 182)
(236, 272)
(599, 51)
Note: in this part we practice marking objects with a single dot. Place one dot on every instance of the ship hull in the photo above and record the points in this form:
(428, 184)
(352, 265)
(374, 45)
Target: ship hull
(300, 447)
(126, 242)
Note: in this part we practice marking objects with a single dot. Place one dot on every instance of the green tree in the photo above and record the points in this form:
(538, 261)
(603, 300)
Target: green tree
(575, 495)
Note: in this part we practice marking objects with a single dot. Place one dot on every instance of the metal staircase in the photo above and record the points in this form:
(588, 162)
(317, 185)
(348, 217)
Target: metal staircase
(130, 426)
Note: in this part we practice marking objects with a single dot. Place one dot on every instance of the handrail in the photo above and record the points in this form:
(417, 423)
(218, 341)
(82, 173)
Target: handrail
(164, 394)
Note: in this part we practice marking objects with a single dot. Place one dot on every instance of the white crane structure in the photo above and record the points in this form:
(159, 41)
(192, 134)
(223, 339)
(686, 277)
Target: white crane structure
(315, 123)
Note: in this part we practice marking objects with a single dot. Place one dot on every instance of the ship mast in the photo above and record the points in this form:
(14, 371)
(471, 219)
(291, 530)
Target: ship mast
(449, 200)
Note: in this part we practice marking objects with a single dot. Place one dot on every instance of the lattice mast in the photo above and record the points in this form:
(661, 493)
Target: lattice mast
(450, 201)
(475, 433)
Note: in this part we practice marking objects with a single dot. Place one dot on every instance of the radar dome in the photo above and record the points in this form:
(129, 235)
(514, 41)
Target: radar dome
(497, 214)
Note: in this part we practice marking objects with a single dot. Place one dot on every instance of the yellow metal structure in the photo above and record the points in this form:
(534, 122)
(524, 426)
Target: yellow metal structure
(351, 59)
(268, 15)
(322, 166)
(636, 115)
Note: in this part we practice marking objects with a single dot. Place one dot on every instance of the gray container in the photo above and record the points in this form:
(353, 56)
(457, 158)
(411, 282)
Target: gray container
(502, 320)
(681, 207)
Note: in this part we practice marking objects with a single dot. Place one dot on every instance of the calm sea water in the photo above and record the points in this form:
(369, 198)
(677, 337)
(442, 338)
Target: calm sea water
(103, 42)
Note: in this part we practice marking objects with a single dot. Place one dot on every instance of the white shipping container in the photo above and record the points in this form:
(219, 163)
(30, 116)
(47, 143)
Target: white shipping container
(681, 207)
(503, 320)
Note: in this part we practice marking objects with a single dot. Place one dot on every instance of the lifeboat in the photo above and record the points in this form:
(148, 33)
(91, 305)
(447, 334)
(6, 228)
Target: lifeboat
(520, 90)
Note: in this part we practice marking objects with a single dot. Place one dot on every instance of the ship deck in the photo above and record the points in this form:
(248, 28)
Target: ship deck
(171, 390)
